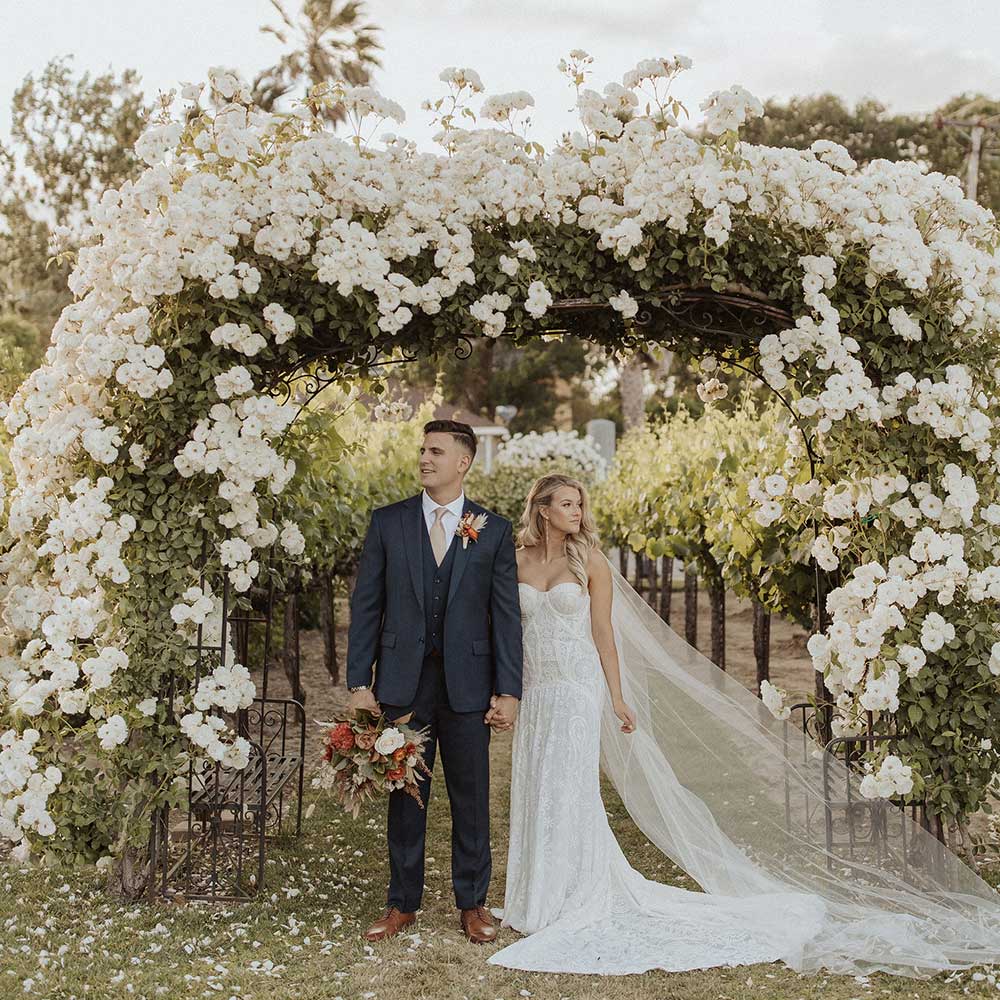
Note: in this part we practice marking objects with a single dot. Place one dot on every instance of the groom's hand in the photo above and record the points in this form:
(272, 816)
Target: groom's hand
(363, 700)
(502, 713)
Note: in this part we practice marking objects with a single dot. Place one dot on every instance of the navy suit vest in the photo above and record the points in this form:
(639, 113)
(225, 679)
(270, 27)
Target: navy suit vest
(436, 582)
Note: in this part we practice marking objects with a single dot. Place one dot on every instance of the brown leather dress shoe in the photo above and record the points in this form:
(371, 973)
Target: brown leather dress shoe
(389, 924)
(479, 926)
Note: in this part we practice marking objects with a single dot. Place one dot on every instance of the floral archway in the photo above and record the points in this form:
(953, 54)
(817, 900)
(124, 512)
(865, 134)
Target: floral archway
(260, 245)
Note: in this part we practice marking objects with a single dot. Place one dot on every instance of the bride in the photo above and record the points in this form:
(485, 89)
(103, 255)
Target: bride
(714, 781)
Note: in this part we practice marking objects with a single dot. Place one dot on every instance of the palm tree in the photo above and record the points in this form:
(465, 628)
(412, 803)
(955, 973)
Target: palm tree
(329, 42)
(632, 386)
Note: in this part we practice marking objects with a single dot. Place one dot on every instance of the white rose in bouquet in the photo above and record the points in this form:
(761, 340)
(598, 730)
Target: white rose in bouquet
(390, 741)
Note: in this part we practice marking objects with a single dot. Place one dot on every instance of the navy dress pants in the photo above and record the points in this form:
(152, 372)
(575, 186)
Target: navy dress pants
(464, 741)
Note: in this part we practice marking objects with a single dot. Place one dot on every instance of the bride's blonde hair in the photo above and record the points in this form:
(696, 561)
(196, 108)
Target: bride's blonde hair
(532, 528)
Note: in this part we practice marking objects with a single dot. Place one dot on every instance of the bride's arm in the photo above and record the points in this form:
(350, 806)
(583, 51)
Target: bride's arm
(601, 590)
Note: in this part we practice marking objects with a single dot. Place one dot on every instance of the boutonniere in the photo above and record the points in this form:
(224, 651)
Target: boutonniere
(469, 527)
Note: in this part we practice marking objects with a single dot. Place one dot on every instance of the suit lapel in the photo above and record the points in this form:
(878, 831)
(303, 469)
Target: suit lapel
(411, 517)
(462, 553)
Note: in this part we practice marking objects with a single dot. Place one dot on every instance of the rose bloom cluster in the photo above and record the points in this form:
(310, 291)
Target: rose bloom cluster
(393, 411)
(566, 446)
(861, 653)
(774, 699)
(240, 182)
(892, 778)
(24, 789)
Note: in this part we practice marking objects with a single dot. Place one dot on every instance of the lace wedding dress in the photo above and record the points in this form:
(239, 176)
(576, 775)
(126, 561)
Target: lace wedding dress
(709, 779)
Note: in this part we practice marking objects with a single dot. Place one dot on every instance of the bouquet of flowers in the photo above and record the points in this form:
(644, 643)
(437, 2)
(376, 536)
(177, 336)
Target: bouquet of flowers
(367, 756)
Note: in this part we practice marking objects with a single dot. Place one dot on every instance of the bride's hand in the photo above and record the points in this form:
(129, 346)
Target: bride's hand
(626, 715)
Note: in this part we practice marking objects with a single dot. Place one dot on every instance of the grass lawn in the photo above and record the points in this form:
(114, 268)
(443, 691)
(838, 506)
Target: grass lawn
(62, 937)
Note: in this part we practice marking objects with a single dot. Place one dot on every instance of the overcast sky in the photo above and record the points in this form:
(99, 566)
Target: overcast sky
(912, 54)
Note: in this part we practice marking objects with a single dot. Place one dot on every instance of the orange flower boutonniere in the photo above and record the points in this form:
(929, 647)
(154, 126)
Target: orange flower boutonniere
(470, 526)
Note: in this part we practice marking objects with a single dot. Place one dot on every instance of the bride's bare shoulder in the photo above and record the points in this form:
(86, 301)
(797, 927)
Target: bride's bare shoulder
(524, 554)
(598, 567)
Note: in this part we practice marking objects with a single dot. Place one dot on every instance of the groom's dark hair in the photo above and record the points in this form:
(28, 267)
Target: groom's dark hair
(462, 433)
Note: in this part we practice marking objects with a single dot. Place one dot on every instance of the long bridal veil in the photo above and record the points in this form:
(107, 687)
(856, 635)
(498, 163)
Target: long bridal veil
(736, 798)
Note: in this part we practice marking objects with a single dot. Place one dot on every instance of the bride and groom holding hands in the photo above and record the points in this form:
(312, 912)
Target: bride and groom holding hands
(463, 627)
(437, 610)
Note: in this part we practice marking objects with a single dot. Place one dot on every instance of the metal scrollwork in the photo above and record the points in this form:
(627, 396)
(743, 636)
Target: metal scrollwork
(317, 368)
(734, 314)
(731, 315)
(303, 385)
(214, 846)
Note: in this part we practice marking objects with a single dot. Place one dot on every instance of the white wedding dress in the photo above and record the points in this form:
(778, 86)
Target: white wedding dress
(584, 909)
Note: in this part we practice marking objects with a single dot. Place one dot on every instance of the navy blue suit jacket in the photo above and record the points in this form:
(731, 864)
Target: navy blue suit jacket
(482, 628)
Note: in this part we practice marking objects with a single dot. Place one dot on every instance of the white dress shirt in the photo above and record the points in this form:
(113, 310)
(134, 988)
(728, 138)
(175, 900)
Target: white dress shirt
(450, 520)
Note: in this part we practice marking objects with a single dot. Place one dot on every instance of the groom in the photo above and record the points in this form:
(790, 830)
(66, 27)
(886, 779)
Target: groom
(438, 616)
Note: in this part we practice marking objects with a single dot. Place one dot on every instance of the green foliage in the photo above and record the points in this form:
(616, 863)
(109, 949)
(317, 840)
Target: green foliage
(678, 488)
(870, 132)
(71, 139)
(505, 489)
(539, 377)
(75, 135)
(867, 131)
(346, 465)
(947, 146)
(21, 351)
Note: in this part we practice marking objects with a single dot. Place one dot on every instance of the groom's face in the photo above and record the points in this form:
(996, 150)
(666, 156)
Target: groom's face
(443, 461)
